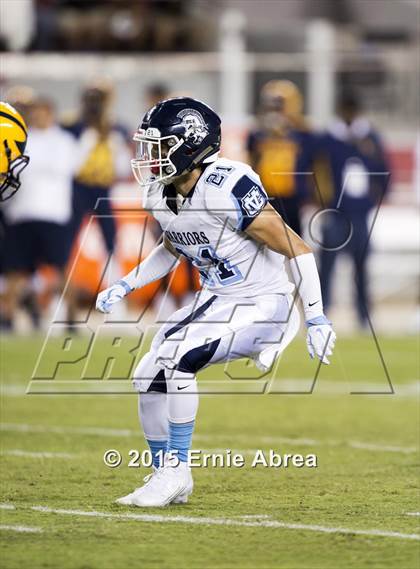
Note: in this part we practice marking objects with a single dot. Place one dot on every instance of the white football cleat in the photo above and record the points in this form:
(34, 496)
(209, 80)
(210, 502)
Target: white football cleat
(126, 500)
(172, 483)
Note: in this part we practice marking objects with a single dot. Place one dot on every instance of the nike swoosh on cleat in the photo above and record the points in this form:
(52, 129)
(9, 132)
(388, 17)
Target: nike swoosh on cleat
(183, 387)
(312, 303)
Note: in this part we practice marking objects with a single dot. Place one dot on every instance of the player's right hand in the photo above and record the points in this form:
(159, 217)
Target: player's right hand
(111, 295)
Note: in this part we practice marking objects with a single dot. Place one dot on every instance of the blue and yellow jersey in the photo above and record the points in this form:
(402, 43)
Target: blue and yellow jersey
(97, 168)
(282, 161)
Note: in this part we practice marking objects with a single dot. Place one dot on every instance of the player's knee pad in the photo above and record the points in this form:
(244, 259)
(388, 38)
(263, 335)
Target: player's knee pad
(148, 376)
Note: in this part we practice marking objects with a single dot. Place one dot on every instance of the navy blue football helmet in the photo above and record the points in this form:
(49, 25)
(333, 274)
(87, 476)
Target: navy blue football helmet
(175, 136)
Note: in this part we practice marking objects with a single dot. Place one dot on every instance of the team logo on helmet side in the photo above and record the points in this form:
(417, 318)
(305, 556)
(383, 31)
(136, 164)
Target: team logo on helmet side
(195, 126)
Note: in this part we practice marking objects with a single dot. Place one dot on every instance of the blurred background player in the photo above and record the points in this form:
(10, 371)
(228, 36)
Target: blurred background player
(281, 148)
(103, 155)
(37, 217)
(155, 93)
(21, 97)
(359, 179)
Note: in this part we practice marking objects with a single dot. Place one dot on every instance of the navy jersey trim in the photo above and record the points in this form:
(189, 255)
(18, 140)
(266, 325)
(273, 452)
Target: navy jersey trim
(195, 314)
(197, 358)
(158, 383)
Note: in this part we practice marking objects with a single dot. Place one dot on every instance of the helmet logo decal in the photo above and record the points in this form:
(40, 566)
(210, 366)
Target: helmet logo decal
(195, 126)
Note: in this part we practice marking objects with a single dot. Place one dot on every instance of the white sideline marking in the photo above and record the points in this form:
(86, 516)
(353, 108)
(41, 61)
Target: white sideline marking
(153, 518)
(7, 507)
(22, 529)
(32, 454)
(104, 431)
(412, 513)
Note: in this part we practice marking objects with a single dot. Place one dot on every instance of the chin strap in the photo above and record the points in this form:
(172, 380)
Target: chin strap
(211, 158)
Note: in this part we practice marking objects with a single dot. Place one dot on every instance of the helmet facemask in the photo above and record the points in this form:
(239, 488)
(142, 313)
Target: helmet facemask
(153, 156)
(10, 180)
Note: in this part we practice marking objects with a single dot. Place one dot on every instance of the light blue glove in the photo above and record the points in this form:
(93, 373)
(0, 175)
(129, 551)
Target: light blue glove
(320, 338)
(111, 295)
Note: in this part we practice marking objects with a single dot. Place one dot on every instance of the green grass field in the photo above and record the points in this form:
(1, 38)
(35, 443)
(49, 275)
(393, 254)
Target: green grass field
(349, 512)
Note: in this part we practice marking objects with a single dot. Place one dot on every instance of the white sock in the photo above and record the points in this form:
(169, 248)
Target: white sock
(153, 414)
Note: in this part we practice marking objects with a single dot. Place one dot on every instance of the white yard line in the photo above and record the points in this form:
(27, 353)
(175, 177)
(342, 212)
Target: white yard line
(96, 431)
(412, 513)
(254, 517)
(12, 390)
(337, 387)
(304, 385)
(292, 441)
(32, 454)
(251, 520)
(331, 442)
(381, 448)
(153, 518)
(21, 529)
(104, 431)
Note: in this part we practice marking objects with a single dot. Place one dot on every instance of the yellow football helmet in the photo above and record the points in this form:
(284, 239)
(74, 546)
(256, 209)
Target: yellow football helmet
(284, 96)
(13, 136)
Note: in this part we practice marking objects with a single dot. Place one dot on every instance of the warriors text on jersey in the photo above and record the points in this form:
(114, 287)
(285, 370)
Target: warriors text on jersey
(208, 227)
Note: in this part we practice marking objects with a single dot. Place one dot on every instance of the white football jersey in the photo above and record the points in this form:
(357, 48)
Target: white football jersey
(208, 227)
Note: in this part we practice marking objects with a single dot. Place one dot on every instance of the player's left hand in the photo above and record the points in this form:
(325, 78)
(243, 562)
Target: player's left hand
(111, 295)
(320, 339)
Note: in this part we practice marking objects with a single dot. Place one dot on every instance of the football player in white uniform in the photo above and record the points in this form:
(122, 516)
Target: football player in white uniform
(215, 212)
